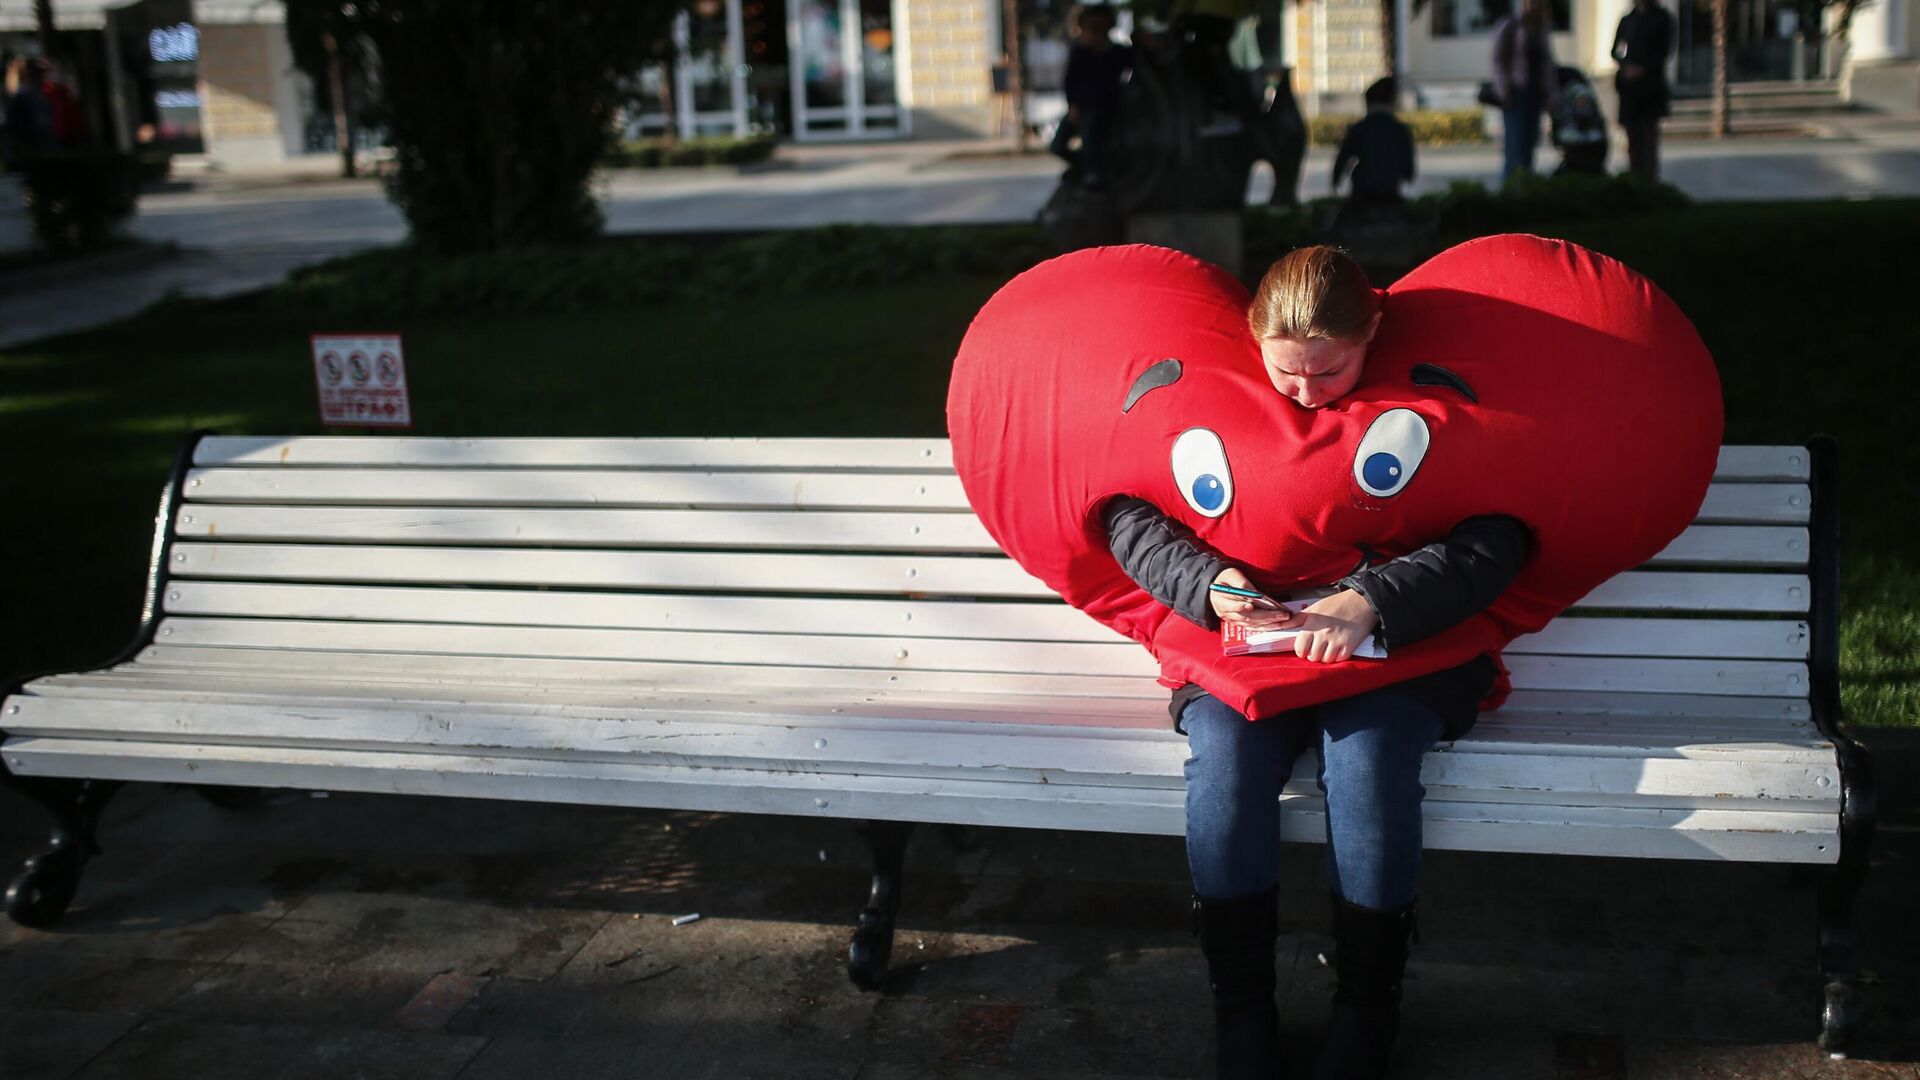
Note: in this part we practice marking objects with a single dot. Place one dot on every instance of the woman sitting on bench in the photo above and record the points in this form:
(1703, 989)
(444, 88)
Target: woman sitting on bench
(1314, 315)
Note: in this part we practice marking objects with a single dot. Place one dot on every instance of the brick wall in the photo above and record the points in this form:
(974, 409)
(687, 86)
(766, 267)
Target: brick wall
(1342, 52)
(949, 59)
(237, 82)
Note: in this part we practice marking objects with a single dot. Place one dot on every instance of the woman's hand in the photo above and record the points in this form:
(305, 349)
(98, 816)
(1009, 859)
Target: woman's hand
(1236, 609)
(1335, 626)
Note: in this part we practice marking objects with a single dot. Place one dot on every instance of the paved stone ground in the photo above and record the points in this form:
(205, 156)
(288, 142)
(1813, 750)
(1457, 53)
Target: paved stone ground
(380, 936)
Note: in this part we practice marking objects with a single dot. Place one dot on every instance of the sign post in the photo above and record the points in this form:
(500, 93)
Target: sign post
(362, 380)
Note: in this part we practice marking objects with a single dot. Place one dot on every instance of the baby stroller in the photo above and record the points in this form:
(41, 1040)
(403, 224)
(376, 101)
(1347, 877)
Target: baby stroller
(1579, 128)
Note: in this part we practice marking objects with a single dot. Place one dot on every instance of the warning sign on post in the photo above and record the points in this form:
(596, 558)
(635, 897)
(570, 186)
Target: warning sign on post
(362, 380)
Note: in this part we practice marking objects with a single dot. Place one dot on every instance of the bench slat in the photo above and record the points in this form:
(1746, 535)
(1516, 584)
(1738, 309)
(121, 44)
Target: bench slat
(949, 746)
(1504, 731)
(670, 489)
(1649, 833)
(983, 620)
(1584, 705)
(1726, 504)
(426, 669)
(655, 453)
(1598, 636)
(1761, 463)
(746, 529)
(1638, 590)
(1766, 678)
(762, 573)
(461, 670)
(1747, 639)
(792, 530)
(1118, 658)
(1756, 504)
(1782, 546)
(1754, 677)
(1089, 712)
(1734, 462)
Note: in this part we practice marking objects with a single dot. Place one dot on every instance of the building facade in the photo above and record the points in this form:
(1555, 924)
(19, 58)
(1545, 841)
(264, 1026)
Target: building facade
(210, 78)
(215, 78)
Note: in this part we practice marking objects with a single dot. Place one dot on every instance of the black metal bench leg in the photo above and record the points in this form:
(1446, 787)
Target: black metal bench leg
(1841, 1011)
(872, 945)
(39, 895)
(1840, 1014)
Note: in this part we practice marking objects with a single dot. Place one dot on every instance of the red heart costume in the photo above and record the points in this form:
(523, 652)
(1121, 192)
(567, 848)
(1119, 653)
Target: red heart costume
(1511, 375)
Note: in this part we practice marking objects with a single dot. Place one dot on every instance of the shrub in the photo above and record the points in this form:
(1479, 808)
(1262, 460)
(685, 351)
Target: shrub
(711, 150)
(1431, 127)
(625, 273)
(1467, 208)
(1464, 210)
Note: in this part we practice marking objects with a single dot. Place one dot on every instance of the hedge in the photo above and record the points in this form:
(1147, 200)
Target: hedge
(671, 153)
(1431, 127)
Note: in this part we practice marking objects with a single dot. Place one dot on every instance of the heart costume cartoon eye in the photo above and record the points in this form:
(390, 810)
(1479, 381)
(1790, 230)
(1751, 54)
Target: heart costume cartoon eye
(1200, 470)
(1390, 452)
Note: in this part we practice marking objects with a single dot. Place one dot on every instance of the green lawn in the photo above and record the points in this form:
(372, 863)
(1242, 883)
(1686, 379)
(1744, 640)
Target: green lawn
(1809, 309)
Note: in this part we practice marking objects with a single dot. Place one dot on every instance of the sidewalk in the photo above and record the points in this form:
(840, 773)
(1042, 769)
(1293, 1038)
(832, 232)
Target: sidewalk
(380, 936)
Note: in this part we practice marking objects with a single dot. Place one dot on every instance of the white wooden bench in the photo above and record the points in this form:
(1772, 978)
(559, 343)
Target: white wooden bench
(822, 627)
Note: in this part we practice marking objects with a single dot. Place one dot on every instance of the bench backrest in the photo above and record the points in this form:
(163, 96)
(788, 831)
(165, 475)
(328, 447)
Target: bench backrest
(833, 563)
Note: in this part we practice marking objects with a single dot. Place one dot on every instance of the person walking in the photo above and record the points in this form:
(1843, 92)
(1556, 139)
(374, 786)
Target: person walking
(1641, 46)
(1524, 81)
(29, 115)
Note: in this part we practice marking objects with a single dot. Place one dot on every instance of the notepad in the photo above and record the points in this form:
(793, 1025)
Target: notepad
(1238, 639)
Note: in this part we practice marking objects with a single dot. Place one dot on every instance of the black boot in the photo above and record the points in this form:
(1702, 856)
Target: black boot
(1237, 936)
(1370, 956)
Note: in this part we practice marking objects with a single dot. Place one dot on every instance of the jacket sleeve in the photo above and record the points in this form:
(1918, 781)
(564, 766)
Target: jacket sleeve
(1163, 558)
(1445, 583)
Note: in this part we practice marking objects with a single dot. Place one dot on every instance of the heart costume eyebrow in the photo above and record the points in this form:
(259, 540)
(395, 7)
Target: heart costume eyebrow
(1435, 375)
(1164, 373)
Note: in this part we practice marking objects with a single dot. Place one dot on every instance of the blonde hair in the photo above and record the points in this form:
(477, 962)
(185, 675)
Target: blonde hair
(1314, 292)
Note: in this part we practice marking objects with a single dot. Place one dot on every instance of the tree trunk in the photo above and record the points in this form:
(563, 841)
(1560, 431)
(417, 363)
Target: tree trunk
(1721, 97)
(1390, 36)
(43, 20)
(670, 130)
(1016, 74)
(337, 87)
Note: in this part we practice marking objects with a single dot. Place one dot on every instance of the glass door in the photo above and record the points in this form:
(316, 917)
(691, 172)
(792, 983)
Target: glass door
(845, 80)
(710, 81)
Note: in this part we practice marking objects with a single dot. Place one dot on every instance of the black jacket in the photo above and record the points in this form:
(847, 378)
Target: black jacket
(1416, 595)
(1379, 150)
(1644, 39)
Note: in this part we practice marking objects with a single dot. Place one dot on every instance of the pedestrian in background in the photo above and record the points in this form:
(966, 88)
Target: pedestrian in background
(1524, 81)
(1378, 149)
(1641, 46)
(29, 113)
(1096, 66)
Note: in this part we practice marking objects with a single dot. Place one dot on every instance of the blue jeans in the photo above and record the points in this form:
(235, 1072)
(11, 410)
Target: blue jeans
(1370, 748)
(1520, 121)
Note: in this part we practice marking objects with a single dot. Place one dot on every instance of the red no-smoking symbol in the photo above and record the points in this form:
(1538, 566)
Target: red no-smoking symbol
(330, 367)
(388, 366)
(358, 368)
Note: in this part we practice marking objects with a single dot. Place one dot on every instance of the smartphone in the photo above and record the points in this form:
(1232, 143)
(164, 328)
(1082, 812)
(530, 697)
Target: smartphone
(1259, 600)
